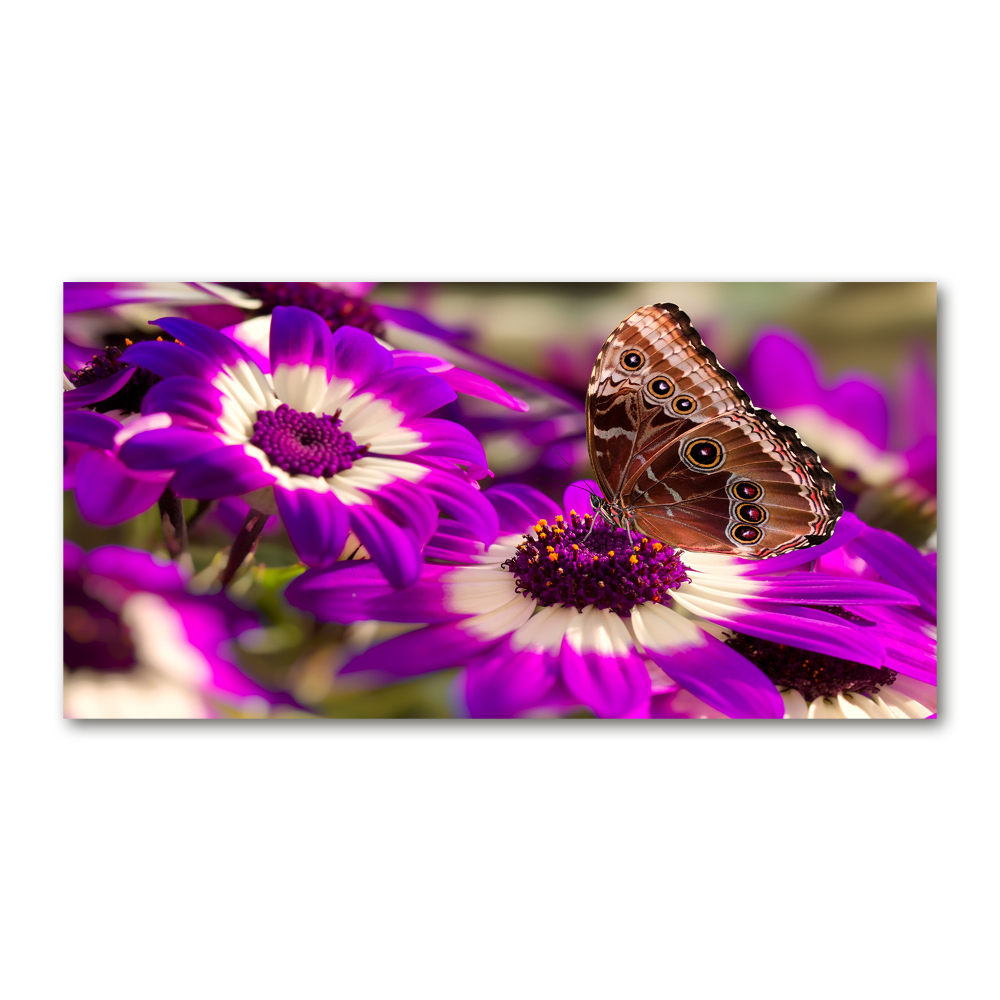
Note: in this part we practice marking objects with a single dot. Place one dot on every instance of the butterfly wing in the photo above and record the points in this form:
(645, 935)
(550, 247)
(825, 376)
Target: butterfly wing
(674, 438)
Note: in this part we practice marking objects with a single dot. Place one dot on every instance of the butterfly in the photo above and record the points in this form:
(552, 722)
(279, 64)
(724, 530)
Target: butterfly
(682, 455)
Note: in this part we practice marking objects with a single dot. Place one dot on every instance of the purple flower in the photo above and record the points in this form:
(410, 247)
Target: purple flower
(101, 404)
(136, 644)
(863, 438)
(565, 610)
(336, 439)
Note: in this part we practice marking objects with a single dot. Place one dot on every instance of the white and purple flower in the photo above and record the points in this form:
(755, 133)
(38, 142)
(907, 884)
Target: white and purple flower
(336, 439)
(564, 610)
(136, 644)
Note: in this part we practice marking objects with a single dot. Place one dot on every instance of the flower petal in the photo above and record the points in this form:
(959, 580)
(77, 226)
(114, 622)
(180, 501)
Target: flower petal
(395, 549)
(89, 428)
(317, 524)
(518, 507)
(358, 591)
(225, 472)
(105, 388)
(436, 647)
(704, 665)
(600, 665)
(107, 493)
(504, 684)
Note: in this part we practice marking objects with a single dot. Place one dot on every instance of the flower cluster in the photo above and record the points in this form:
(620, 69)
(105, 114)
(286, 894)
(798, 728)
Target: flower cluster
(330, 532)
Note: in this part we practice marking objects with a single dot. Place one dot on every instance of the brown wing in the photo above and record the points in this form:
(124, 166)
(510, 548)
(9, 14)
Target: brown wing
(678, 440)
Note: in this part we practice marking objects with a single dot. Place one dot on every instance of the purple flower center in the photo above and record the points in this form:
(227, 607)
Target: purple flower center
(813, 675)
(586, 563)
(305, 444)
(101, 366)
(93, 636)
(337, 308)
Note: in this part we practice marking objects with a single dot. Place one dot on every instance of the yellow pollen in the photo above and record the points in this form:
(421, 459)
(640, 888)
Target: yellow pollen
(635, 548)
(553, 557)
(572, 512)
(128, 341)
(576, 548)
(633, 559)
(596, 558)
(657, 547)
(600, 583)
(560, 518)
(548, 548)
(542, 521)
(611, 552)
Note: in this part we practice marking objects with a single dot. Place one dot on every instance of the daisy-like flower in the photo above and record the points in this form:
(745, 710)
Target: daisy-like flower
(101, 404)
(137, 645)
(336, 439)
(876, 443)
(563, 610)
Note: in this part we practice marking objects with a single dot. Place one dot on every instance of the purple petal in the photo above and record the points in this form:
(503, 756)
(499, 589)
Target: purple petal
(610, 685)
(300, 336)
(81, 295)
(193, 398)
(410, 319)
(73, 557)
(210, 343)
(465, 382)
(899, 563)
(410, 391)
(316, 524)
(135, 569)
(848, 527)
(860, 402)
(166, 448)
(358, 356)
(452, 542)
(817, 588)
(409, 506)
(166, 359)
(809, 629)
(394, 549)
(577, 496)
(225, 472)
(780, 372)
(107, 492)
(506, 683)
(451, 441)
(89, 428)
(358, 591)
(917, 398)
(462, 502)
(436, 647)
(88, 395)
(519, 507)
(706, 666)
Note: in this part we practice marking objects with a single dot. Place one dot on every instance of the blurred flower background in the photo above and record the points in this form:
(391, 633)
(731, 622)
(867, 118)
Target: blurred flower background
(850, 365)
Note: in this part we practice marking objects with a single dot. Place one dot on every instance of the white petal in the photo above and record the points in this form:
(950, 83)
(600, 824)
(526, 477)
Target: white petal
(300, 386)
(367, 416)
(545, 630)
(795, 705)
(858, 706)
(476, 590)
(663, 629)
(825, 708)
(914, 699)
(599, 630)
(707, 607)
(501, 621)
(370, 473)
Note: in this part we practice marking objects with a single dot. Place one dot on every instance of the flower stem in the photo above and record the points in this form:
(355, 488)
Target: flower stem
(245, 543)
(175, 535)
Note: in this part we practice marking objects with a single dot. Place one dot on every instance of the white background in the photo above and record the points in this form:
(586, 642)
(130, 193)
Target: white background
(516, 141)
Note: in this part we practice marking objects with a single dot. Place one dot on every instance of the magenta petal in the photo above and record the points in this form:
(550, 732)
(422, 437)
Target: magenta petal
(411, 391)
(859, 402)
(462, 502)
(722, 678)
(848, 527)
(300, 336)
(89, 428)
(225, 472)
(410, 319)
(183, 396)
(818, 588)
(578, 496)
(203, 339)
(393, 548)
(94, 392)
(316, 524)
(107, 493)
(899, 563)
(780, 372)
(809, 629)
(612, 686)
(518, 506)
(165, 359)
(450, 441)
(436, 647)
(465, 382)
(358, 591)
(358, 356)
(505, 684)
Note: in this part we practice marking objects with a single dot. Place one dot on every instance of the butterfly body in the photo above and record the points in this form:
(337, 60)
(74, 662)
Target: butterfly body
(682, 455)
